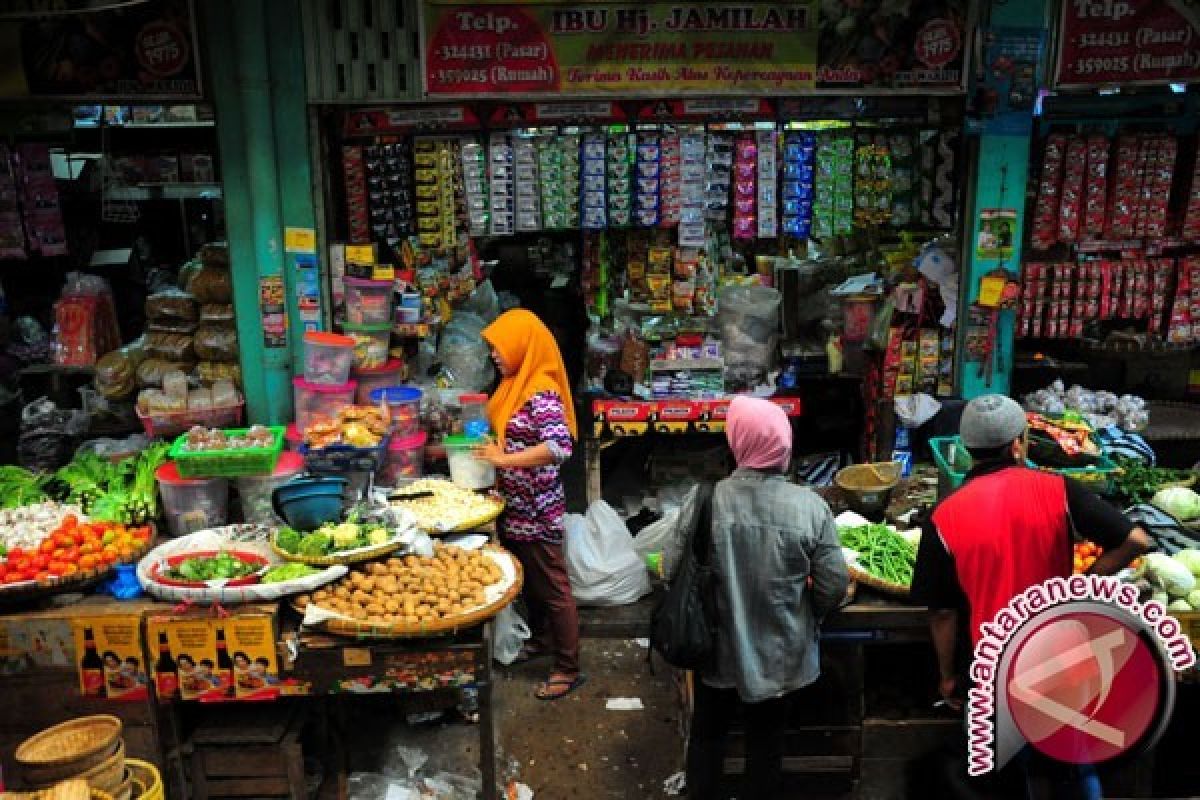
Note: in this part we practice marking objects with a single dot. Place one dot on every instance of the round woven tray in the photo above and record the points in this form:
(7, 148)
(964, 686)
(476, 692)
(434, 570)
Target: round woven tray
(81, 743)
(470, 524)
(445, 626)
(861, 576)
(356, 556)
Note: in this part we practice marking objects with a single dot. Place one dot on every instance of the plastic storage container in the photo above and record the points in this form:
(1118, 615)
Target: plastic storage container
(293, 438)
(405, 461)
(315, 401)
(404, 403)
(390, 374)
(255, 491)
(466, 470)
(192, 504)
(327, 357)
(474, 414)
(371, 343)
(172, 423)
(408, 316)
(368, 302)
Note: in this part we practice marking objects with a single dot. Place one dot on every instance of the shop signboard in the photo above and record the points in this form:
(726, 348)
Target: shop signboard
(1127, 42)
(887, 44)
(127, 50)
(548, 47)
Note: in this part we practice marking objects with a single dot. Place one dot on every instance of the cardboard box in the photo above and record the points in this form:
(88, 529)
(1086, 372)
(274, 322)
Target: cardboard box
(204, 659)
(110, 657)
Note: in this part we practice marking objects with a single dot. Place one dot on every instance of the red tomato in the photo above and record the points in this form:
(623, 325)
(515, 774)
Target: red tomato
(47, 545)
(21, 564)
(12, 577)
(56, 568)
(42, 577)
(40, 560)
(72, 555)
(15, 553)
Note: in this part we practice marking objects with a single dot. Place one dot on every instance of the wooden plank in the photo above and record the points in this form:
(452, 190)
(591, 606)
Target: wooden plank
(248, 787)
(244, 761)
(843, 741)
(883, 779)
(51, 696)
(800, 765)
(905, 738)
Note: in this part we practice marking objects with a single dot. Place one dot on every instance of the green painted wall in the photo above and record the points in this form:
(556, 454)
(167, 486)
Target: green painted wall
(254, 53)
(1001, 171)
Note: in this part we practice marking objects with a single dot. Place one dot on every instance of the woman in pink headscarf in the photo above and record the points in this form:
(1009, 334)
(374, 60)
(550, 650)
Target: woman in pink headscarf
(778, 571)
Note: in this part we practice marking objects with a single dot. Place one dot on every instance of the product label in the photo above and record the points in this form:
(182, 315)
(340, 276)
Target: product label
(1127, 42)
(110, 656)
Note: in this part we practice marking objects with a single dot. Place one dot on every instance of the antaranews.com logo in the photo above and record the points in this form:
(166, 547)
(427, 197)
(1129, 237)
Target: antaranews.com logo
(1076, 667)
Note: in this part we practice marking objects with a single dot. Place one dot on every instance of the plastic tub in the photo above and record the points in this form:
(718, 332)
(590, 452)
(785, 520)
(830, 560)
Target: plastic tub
(255, 491)
(410, 300)
(404, 403)
(466, 470)
(390, 374)
(308, 503)
(192, 504)
(327, 357)
(368, 302)
(405, 461)
(320, 401)
(474, 414)
(371, 343)
(408, 316)
(293, 439)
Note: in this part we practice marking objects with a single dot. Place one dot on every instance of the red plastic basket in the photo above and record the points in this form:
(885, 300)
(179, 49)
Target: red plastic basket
(173, 423)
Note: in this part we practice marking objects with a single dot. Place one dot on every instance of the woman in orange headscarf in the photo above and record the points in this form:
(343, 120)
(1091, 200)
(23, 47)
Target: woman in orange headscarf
(533, 418)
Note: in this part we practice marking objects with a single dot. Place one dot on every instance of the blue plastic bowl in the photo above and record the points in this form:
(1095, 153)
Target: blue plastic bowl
(308, 503)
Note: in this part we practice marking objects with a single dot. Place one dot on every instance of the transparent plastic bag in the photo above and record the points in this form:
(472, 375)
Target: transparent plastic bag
(509, 632)
(116, 372)
(217, 343)
(464, 354)
(749, 321)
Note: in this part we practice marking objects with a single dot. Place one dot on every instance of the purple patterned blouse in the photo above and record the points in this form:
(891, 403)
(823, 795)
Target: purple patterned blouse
(535, 503)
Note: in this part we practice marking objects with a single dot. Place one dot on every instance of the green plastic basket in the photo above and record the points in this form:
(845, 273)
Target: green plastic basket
(954, 462)
(227, 463)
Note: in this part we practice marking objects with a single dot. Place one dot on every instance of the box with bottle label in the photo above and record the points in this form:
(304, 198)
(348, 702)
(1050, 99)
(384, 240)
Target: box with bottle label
(110, 657)
(198, 658)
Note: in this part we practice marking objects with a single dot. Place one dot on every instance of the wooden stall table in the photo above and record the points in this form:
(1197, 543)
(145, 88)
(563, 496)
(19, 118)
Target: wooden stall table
(318, 664)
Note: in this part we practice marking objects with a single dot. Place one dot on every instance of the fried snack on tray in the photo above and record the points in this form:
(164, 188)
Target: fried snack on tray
(447, 508)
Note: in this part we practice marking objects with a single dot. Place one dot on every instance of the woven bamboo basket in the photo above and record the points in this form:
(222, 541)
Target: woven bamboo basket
(106, 776)
(69, 749)
(78, 582)
(356, 556)
(469, 524)
(61, 791)
(444, 626)
(861, 576)
(147, 782)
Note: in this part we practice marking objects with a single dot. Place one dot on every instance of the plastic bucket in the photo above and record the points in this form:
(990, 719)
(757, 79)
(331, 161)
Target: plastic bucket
(327, 357)
(368, 302)
(404, 403)
(465, 469)
(371, 343)
(319, 401)
(390, 374)
(405, 461)
(192, 504)
(255, 491)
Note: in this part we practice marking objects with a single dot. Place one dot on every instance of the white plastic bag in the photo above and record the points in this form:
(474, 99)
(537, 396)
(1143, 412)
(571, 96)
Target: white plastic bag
(602, 564)
(509, 632)
(665, 535)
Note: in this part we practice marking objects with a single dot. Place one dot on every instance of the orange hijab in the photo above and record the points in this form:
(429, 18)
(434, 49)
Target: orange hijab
(526, 344)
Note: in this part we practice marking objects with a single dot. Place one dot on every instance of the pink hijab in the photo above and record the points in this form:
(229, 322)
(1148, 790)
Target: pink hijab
(759, 434)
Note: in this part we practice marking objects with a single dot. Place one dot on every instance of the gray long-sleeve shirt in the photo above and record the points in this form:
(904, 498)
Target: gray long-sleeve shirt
(769, 536)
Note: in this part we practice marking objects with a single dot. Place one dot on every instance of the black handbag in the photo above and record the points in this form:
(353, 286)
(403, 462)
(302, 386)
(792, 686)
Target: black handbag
(682, 626)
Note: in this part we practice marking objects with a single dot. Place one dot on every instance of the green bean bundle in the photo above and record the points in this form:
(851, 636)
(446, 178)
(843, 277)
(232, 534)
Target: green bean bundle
(882, 552)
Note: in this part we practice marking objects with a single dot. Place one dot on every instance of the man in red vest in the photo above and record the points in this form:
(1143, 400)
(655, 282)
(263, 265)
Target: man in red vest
(1007, 528)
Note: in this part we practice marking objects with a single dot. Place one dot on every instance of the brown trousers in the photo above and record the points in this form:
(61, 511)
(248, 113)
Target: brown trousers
(553, 618)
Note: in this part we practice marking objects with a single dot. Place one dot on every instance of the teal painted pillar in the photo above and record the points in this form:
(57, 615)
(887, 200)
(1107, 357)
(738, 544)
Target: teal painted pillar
(1002, 170)
(258, 94)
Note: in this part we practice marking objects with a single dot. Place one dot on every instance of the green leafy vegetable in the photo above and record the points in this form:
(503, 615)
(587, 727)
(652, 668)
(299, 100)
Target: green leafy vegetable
(315, 544)
(1137, 483)
(288, 572)
(288, 540)
(223, 566)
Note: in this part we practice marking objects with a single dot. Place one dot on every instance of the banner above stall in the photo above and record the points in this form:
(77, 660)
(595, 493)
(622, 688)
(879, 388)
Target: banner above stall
(121, 50)
(1128, 42)
(607, 47)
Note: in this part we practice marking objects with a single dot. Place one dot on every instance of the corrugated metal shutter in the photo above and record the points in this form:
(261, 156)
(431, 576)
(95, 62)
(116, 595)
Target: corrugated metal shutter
(361, 50)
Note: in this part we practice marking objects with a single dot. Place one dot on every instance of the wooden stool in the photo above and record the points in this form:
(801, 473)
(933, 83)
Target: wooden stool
(240, 754)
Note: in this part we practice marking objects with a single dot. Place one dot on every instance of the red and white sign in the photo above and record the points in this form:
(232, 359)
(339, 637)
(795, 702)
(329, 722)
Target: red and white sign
(938, 43)
(1126, 42)
(162, 49)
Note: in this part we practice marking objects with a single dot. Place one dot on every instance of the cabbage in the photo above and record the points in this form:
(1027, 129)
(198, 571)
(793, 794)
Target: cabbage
(1181, 503)
(1190, 558)
(1168, 575)
(1179, 605)
(1193, 598)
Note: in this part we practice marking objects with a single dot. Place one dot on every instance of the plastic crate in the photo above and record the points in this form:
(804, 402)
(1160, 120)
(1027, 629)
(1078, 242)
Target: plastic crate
(227, 463)
(953, 462)
(342, 458)
(173, 423)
